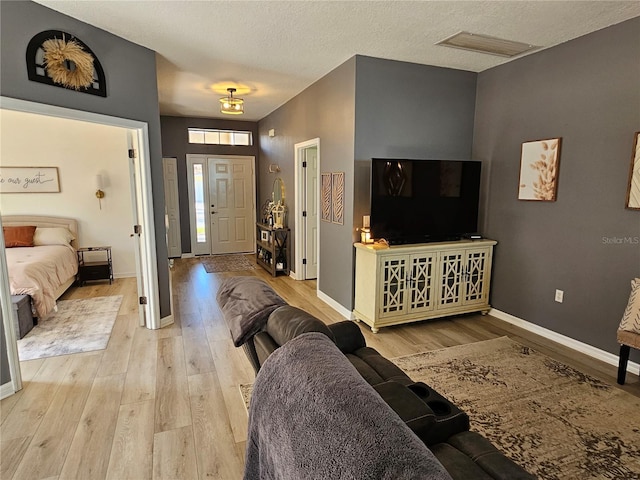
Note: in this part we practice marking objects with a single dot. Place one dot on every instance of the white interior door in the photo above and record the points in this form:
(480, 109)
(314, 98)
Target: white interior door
(172, 210)
(136, 186)
(307, 204)
(311, 218)
(231, 204)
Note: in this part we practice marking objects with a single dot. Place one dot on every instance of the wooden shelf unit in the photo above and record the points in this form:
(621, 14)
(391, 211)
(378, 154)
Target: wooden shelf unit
(272, 249)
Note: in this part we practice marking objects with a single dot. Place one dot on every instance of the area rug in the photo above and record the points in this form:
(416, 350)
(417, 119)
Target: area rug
(552, 419)
(555, 421)
(227, 263)
(81, 325)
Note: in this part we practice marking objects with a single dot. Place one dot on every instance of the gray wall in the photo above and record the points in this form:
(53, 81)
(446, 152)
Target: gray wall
(367, 107)
(132, 91)
(406, 110)
(324, 110)
(587, 92)
(175, 143)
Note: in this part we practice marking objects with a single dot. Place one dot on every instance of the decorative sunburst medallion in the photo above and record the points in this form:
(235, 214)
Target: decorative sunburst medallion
(60, 59)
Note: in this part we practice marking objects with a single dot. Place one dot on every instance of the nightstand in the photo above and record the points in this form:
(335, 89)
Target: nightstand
(96, 269)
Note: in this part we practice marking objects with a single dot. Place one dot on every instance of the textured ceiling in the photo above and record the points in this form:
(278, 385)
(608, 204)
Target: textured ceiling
(272, 50)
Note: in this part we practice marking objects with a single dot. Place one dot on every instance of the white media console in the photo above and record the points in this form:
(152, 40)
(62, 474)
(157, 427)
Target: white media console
(409, 283)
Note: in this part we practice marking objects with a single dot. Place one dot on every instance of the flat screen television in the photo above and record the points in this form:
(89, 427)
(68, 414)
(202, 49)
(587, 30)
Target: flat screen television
(418, 201)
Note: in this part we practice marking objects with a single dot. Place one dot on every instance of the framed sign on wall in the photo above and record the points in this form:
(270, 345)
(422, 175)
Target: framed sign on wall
(29, 180)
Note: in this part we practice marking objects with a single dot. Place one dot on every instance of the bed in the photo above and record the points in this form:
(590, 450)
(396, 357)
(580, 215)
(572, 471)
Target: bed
(44, 271)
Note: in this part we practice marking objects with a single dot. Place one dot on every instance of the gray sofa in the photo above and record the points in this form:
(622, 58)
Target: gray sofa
(438, 423)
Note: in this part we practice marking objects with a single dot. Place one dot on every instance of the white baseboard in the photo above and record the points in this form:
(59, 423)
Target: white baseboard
(6, 390)
(187, 255)
(581, 347)
(335, 305)
(168, 320)
(125, 275)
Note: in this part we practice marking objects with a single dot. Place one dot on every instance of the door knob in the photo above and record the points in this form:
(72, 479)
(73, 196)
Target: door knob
(212, 212)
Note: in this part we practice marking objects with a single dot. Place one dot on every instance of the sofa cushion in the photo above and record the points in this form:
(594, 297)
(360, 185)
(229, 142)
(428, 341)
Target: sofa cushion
(488, 457)
(264, 346)
(413, 411)
(348, 336)
(457, 464)
(246, 303)
(386, 369)
(287, 322)
(364, 369)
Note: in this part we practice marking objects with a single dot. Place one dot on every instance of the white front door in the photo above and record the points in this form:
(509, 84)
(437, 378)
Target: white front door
(221, 204)
(231, 205)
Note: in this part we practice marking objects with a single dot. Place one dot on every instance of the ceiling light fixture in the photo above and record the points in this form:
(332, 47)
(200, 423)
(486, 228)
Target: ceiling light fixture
(231, 105)
(486, 44)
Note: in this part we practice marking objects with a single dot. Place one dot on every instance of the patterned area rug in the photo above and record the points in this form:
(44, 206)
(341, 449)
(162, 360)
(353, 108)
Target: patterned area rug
(552, 419)
(78, 326)
(227, 263)
(557, 422)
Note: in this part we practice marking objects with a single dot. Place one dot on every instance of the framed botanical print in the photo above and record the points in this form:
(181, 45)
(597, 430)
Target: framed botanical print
(539, 166)
(633, 189)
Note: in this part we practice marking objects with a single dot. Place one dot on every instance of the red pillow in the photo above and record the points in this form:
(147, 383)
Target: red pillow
(18, 236)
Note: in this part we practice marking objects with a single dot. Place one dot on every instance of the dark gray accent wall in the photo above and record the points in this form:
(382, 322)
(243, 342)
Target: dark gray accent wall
(586, 243)
(132, 92)
(324, 110)
(407, 110)
(175, 143)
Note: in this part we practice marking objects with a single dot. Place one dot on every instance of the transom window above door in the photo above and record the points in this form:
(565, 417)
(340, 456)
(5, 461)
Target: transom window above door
(220, 137)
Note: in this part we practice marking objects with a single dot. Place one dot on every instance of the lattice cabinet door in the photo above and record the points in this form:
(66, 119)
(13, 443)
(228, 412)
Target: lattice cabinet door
(393, 285)
(477, 269)
(450, 279)
(421, 282)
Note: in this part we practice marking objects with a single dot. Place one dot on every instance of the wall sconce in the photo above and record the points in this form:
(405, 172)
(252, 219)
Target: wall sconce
(274, 168)
(99, 192)
(365, 231)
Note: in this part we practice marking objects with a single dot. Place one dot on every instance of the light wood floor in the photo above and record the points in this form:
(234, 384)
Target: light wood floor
(166, 403)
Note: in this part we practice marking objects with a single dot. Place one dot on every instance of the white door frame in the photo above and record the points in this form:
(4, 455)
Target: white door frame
(148, 244)
(203, 158)
(298, 174)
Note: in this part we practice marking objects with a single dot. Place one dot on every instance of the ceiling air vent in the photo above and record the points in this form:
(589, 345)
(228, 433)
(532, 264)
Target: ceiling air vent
(486, 44)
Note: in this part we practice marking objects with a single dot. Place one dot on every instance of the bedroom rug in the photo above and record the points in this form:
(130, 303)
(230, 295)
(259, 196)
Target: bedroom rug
(81, 325)
(227, 263)
(555, 421)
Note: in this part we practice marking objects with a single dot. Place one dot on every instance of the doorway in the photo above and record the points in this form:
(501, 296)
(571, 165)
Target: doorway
(222, 210)
(141, 204)
(307, 200)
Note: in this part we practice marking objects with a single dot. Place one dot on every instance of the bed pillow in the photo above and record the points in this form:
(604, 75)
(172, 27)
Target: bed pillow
(52, 236)
(21, 236)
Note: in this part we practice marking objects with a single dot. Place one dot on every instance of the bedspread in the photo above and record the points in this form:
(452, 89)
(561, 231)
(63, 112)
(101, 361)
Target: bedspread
(39, 271)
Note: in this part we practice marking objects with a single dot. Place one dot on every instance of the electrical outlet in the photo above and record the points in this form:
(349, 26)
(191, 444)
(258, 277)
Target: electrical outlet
(559, 296)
